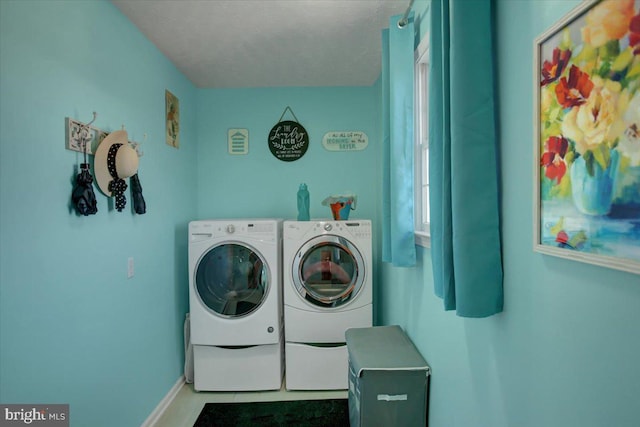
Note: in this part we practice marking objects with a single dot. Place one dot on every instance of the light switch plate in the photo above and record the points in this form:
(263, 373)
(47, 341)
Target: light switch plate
(130, 270)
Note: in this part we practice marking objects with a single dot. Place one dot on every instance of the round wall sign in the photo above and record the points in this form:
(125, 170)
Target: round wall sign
(288, 141)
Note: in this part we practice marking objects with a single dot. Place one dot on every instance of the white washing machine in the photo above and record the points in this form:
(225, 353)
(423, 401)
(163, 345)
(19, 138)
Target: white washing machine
(327, 286)
(235, 300)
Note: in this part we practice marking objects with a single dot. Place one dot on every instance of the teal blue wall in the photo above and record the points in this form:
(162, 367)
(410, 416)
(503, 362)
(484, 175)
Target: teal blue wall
(259, 184)
(565, 350)
(73, 328)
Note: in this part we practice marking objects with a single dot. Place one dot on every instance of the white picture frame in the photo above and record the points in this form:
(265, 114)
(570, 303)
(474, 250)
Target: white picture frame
(586, 176)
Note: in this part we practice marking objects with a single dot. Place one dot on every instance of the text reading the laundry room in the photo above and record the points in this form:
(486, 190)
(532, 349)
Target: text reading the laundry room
(288, 141)
(345, 141)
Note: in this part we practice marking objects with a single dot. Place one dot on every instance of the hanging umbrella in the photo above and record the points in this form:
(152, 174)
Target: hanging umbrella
(83, 197)
(136, 195)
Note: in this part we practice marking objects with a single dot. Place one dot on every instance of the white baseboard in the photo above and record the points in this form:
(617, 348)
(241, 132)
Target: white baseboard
(154, 416)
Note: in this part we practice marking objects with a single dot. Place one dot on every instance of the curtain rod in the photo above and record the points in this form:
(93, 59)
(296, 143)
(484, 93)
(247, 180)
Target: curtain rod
(405, 18)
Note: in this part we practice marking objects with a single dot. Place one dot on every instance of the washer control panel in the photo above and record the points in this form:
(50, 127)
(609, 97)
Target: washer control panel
(262, 229)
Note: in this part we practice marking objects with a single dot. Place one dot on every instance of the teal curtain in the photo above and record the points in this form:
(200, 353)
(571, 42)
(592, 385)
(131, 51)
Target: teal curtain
(463, 149)
(398, 241)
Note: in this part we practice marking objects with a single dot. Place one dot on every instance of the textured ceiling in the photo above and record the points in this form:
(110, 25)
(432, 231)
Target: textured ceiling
(265, 43)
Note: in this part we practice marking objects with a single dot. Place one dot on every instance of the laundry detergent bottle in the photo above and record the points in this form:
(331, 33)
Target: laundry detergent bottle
(303, 203)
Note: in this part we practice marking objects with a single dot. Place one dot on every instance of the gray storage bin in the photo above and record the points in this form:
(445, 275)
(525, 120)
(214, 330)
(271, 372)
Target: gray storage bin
(388, 378)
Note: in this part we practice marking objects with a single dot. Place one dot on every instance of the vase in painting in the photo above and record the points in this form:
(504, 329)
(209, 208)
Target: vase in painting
(593, 193)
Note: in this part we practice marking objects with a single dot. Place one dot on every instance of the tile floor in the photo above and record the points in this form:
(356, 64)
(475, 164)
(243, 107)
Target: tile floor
(185, 408)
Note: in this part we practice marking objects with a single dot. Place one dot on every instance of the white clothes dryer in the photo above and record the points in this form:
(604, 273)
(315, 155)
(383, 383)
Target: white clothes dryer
(327, 287)
(235, 300)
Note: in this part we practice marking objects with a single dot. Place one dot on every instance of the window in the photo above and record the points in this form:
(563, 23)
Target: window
(421, 154)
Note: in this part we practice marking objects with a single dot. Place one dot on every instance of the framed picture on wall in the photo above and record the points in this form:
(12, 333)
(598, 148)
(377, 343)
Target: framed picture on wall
(172, 119)
(587, 136)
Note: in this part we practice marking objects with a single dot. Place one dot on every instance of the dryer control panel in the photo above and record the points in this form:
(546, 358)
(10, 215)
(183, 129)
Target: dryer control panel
(361, 230)
(358, 229)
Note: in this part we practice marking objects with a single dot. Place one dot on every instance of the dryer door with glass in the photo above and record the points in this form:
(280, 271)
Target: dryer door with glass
(232, 279)
(328, 271)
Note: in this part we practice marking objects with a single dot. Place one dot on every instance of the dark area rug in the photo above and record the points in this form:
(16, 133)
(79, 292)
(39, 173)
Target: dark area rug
(297, 413)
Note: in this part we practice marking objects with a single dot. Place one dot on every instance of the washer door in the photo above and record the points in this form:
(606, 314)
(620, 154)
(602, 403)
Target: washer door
(328, 271)
(232, 279)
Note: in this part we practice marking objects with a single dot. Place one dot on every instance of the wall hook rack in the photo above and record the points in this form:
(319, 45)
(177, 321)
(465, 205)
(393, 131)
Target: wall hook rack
(84, 137)
(80, 135)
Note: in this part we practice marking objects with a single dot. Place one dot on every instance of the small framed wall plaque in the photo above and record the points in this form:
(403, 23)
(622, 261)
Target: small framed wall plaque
(238, 141)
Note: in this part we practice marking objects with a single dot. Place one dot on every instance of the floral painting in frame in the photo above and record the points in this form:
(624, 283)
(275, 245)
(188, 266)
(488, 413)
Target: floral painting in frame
(172, 116)
(587, 136)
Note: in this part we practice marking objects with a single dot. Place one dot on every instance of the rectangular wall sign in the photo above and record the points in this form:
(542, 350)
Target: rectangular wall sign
(345, 141)
(238, 140)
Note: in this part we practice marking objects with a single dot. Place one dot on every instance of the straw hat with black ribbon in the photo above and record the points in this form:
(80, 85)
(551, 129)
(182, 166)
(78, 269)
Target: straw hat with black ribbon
(114, 161)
